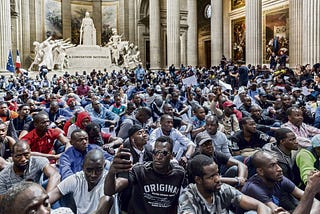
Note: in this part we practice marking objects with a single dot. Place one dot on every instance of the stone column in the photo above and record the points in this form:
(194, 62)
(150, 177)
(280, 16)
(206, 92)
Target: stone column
(154, 26)
(183, 50)
(142, 43)
(295, 32)
(253, 32)
(173, 32)
(5, 33)
(123, 19)
(66, 18)
(97, 19)
(216, 31)
(25, 29)
(132, 21)
(192, 37)
(15, 27)
(36, 22)
(311, 32)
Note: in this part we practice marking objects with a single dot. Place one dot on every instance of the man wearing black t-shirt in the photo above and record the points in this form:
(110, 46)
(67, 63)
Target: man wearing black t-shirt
(269, 183)
(233, 171)
(249, 137)
(155, 185)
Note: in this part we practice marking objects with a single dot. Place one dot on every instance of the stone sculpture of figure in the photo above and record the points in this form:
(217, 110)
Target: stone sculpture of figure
(47, 60)
(39, 51)
(87, 31)
(136, 56)
(115, 53)
(115, 38)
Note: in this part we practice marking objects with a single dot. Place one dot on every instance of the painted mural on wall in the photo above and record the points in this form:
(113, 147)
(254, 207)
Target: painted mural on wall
(53, 20)
(277, 34)
(239, 39)
(235, 4)
(77, 14)
(109, 21)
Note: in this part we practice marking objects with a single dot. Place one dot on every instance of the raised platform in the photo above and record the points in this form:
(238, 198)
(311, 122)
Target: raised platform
(84, 57)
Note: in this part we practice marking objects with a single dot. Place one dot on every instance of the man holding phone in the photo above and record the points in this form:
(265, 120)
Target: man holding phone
(155, 184)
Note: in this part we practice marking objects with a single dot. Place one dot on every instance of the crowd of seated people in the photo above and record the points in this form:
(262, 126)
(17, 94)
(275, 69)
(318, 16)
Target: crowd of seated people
(106, 142)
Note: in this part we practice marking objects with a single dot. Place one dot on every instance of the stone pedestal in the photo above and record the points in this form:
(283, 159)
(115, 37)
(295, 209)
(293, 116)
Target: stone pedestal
(84, 56)
(253, 32)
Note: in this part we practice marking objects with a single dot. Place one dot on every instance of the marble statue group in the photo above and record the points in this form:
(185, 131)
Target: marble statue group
(55, 52)
(50, 53)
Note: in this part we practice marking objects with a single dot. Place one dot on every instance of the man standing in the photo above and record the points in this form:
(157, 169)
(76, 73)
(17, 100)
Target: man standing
(155, 185)
(27, 167)
(86, 186)
(209, 195)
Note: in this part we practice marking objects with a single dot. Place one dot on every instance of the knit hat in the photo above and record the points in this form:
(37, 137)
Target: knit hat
(134, 129)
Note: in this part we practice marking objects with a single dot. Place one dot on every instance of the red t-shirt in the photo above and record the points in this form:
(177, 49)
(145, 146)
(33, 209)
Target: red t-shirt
(43, 144)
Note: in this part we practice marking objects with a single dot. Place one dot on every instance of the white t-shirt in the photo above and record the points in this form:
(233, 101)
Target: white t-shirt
(87, 202)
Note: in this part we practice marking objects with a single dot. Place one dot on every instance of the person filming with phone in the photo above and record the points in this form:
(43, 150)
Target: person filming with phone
(155, 184)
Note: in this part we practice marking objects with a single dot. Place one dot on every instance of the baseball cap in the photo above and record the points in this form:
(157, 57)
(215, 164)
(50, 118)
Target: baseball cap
(228, 103)
(202, 137)
(296, 89)
(70, 100)
(315, 141)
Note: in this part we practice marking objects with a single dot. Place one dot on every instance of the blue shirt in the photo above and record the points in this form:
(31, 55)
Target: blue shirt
(71, 160)
(100, 118)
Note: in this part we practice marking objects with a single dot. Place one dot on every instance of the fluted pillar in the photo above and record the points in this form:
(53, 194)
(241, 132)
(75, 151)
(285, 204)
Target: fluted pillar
(192, 37)
(66, 18)
(97, 19)
(183, 50)
(5, 33)
(25, 29)
(311, 32)
(253, 32)
(154, 26)
(132, 21)
(15, 27)
(216, 31)
(123, 19)
(295, 32)
(173, 32)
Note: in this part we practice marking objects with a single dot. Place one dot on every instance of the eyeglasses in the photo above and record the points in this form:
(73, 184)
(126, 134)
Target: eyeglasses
(157, 152)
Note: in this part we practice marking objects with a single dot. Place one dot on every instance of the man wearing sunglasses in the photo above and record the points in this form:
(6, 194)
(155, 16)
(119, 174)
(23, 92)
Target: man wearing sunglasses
(155, 184)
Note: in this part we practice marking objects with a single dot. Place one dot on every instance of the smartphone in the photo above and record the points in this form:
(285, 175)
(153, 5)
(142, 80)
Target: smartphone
(125, 156)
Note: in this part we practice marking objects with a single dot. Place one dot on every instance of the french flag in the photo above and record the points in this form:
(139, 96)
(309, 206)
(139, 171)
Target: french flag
(18, 62)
